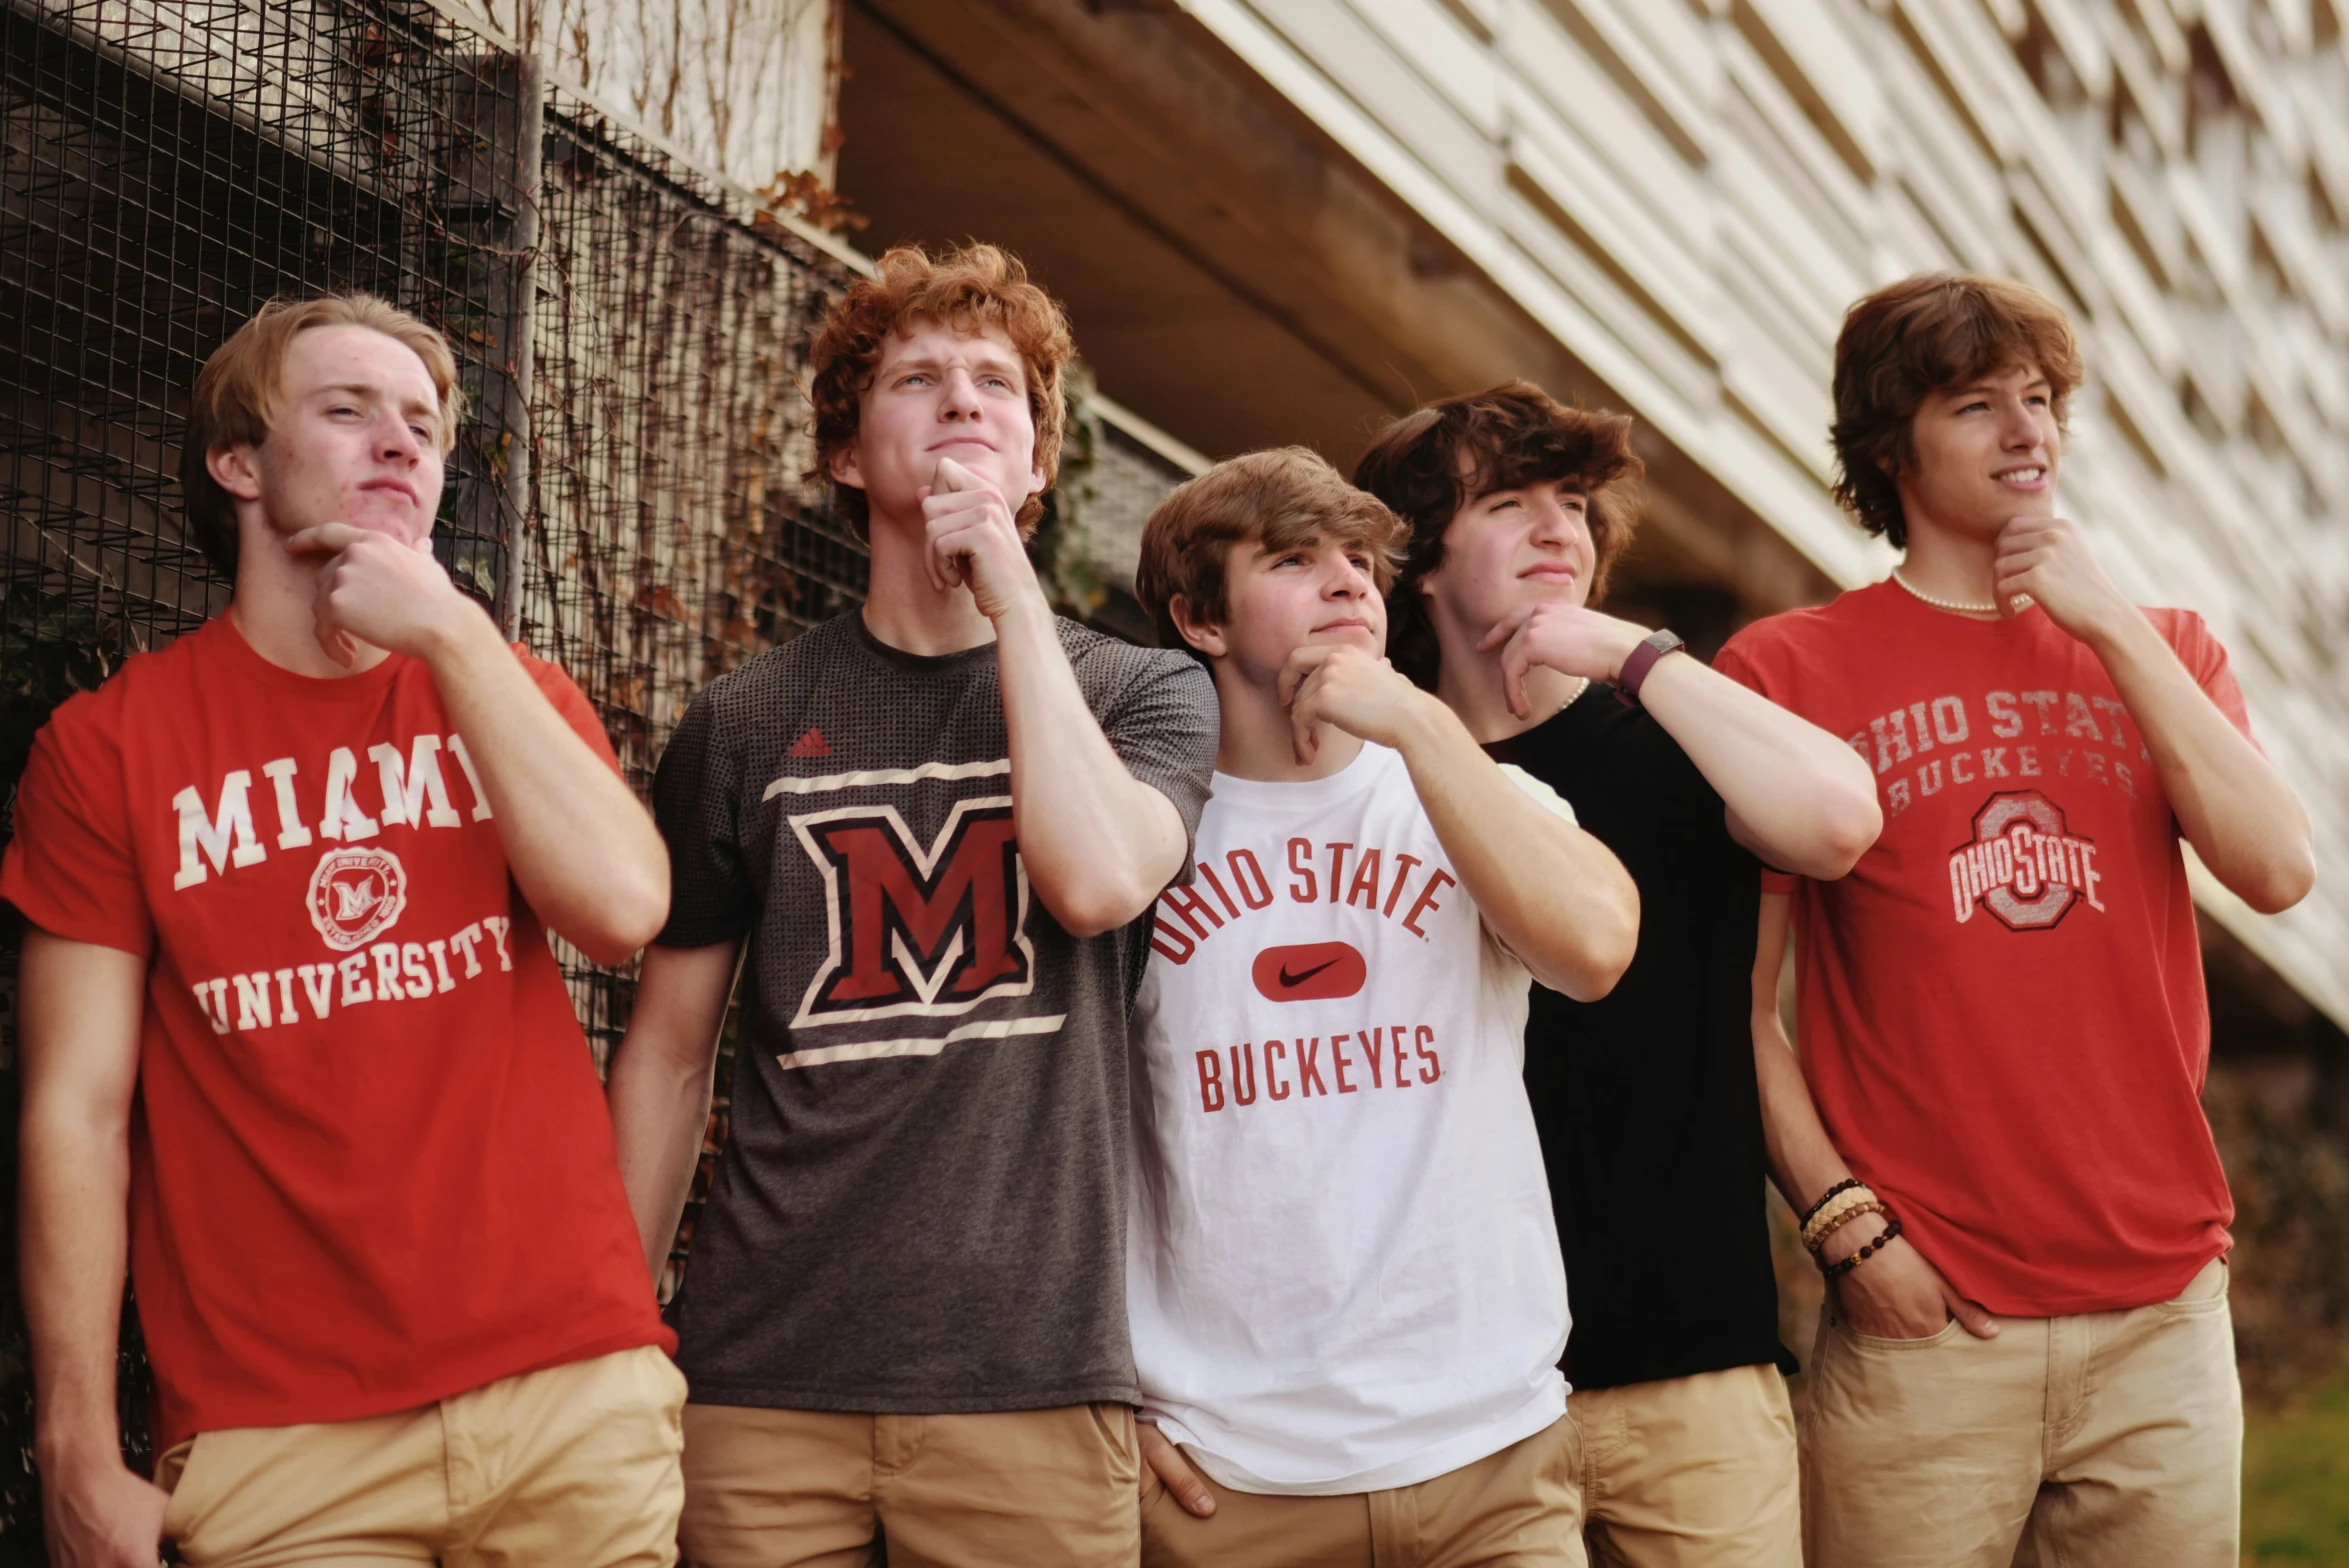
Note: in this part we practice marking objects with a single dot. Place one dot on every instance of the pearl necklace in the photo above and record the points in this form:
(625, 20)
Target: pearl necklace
(2022, 601)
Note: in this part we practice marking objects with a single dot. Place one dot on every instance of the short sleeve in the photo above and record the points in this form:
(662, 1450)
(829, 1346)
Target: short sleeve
(2205, 658)
(71, 869)
(697, 792)
(1550, 798)
(1775, 881)
(571, 703)
(1164, 725)
(1733, 662)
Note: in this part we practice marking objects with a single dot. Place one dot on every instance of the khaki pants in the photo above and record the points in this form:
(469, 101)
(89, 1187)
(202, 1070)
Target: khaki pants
(2104, 1438)
(1691, 1472)
(817, 1489)
(574, 1465)
(1521, 1506)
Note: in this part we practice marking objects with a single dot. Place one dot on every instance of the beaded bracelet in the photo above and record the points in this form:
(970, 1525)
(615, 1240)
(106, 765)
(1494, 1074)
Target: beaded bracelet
(1872, 1205)
(1841, 1186)
(1838, 1208)
(1834, 1212)
(1835, 1271)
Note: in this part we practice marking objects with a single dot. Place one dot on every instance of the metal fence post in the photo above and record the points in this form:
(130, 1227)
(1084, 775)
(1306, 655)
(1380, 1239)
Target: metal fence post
(491, 207)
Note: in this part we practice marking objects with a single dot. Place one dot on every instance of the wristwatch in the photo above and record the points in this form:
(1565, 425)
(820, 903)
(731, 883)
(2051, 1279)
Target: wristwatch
(1643, 659)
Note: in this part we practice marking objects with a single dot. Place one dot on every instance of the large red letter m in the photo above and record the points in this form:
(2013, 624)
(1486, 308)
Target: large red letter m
(916, 932)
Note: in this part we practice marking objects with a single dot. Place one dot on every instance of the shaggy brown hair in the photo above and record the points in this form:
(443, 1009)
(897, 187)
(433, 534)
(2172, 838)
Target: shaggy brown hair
(1281, 498)
(1429, 466)
(236, 392)
(968, 290)
(1923, 334)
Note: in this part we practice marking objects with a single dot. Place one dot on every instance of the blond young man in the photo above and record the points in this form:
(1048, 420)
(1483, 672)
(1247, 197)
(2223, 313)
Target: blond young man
(923, 831)
(1646, 1099)
(294, 1041)
(2003, 1027)
(1344, 1281)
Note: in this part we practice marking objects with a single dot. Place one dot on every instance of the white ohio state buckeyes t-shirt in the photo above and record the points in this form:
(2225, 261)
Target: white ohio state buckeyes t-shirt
(1342, 1270)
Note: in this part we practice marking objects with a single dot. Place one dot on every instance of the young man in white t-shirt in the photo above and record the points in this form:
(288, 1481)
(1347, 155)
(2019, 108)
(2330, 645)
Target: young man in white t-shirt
(1343, 1278)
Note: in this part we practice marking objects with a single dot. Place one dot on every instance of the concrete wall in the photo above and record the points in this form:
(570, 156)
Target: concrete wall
(1686, 193)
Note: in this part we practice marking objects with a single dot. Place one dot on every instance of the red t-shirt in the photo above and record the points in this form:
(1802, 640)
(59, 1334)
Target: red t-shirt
(2001, 1008)
(370, 1164)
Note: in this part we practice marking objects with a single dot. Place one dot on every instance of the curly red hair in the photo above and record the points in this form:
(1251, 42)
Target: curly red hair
(970, 289)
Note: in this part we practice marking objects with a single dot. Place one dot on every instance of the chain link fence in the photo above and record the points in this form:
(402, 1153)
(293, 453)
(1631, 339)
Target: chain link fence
(624, 495)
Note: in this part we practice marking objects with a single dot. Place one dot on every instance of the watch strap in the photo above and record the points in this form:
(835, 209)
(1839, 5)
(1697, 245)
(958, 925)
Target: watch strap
(1643, 659)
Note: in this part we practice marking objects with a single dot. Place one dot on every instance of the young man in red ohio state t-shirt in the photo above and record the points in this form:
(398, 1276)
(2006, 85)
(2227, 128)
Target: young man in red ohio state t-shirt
(293, 1040)
(2008, 1178)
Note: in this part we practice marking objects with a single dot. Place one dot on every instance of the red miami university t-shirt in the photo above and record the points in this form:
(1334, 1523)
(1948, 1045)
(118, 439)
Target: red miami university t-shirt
(370, 1162)
(2001, 1008)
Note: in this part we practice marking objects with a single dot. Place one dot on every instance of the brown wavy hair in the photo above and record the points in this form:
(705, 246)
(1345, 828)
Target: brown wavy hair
(1430, 465)
(1907, 341)
(236, 392)
(1279, 498)
(969, 290)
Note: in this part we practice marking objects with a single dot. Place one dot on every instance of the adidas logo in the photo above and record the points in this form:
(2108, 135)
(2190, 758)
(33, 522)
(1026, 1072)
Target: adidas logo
(812, 744)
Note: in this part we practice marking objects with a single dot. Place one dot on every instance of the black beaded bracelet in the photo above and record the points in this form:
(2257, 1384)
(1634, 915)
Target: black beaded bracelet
(1838, 1270)
(1812, 1211)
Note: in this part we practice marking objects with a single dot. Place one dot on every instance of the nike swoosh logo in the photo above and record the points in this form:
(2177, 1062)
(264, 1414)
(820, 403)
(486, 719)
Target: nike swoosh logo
(1288, 979)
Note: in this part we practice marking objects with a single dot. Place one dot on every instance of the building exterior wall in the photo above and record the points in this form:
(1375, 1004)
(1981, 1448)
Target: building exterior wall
(744, 88)
(1687, 193)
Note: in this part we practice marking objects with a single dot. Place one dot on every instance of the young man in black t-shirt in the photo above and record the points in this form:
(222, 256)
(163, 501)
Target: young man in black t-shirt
(924, 830)
(1646, 1100)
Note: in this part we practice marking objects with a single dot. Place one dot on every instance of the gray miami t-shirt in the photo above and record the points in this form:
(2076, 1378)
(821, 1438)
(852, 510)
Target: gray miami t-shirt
(922, 1206)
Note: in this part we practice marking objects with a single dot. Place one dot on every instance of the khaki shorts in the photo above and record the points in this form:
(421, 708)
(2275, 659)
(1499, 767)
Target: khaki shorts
(1691, 1472)
(574, 1465)
(1512, 1509)
(816, 1489)
(2104, 1438)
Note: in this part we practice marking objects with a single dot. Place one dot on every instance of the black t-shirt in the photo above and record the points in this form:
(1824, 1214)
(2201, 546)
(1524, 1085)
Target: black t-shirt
(922, 1205)
(1650, 1118)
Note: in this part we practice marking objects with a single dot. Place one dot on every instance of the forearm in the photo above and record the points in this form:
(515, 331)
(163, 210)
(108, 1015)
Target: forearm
(2242, 818)
(1802, 1158)
(660, 1079)
(1098, 843)
(75, 1233)
(660, 1111)
(583, 850)
(1798, 797)
(1556, 896)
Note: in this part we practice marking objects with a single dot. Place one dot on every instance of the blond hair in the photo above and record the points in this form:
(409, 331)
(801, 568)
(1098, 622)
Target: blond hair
(236, 393)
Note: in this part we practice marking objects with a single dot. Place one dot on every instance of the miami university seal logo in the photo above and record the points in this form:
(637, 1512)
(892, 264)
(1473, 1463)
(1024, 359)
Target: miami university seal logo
(2023, 866)
(917, 930)
(356, 893)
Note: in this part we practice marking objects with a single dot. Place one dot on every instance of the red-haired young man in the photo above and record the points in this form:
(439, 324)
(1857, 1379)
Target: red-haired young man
(293, 1038)
(1345, 1286)
(924, 830)
(1646, 1098)
(2008, 1175)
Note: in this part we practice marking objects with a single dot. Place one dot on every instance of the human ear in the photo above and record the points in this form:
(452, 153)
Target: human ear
(844, 468)
(1203, 635)
(232, 468)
